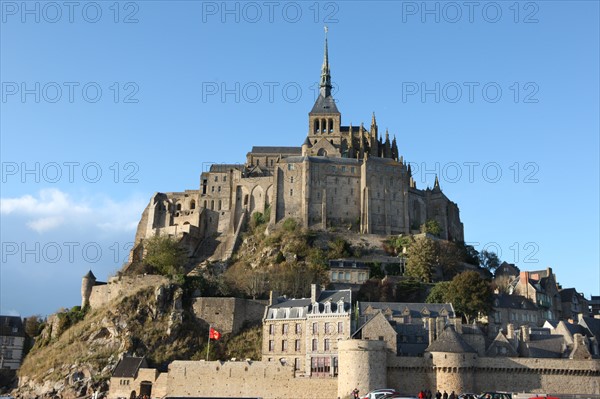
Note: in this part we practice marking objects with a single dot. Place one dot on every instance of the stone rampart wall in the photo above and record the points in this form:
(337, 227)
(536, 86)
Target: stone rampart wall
(121, 287)
(267, 380)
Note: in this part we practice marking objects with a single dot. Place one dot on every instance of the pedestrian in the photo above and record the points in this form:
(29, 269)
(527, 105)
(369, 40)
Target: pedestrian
(428, 394)
(438, 394)
(421, 394)
(355, 394)
(445, 395)
(452, 395)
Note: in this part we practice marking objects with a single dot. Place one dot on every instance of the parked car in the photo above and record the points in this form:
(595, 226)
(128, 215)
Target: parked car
(380, 393)
(468, 396)
(496, 395)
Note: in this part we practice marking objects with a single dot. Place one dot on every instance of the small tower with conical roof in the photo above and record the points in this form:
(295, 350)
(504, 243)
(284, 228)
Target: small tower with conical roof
(87, 282)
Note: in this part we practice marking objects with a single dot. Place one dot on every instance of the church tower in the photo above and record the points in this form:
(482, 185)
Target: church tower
(324, 120)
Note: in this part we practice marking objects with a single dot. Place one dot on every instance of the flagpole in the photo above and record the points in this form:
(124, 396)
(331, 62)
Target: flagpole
(208, 348)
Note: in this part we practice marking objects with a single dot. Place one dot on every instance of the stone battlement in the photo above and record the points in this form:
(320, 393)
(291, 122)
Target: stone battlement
(118, 287)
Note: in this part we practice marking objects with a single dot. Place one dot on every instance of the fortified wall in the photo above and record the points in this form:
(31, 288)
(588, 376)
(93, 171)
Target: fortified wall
(268, 380)
(367, 365)
(228, 315)
(361, 366)
(118, 287)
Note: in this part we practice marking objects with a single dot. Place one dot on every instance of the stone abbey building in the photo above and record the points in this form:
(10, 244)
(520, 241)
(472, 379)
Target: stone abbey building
(342, 176)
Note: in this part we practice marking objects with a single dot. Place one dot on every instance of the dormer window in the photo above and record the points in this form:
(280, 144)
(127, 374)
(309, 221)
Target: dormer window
(315, 308)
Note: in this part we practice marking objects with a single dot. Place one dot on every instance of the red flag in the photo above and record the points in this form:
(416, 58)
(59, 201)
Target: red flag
(214, 334)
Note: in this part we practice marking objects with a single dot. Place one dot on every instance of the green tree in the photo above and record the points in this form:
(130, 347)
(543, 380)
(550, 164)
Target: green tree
(432, 227)
(421, 259)
(410, 290)
(165, 255)
(448, 257)
(469, 254)
(438, 292)
(33, 325)
(489, 260)
(470, 295)
(339, 248)
(395, 245)
(370, 290)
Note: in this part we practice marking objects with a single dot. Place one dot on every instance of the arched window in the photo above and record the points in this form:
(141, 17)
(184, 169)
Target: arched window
(330, 125)
(178, 207)
(219, 205)
(193, 204)
(212, 205)
(323, 126)
(205, 203)
(316, 126)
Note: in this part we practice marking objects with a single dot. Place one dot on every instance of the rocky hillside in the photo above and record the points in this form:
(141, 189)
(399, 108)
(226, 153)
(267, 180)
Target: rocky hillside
(70, 361)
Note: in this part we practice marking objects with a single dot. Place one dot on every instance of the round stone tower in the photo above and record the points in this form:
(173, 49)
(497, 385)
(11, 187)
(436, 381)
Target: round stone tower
(453, 362)
(87, 282)
(362, 365)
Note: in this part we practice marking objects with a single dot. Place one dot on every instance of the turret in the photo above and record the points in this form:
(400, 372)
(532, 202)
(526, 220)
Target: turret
(87, 282)
(305, 146)
(395, 149)
(387, 148)
(373, 138)
(350, 142)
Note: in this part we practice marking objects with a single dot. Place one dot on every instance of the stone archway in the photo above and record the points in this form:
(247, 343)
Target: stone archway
(146, 389)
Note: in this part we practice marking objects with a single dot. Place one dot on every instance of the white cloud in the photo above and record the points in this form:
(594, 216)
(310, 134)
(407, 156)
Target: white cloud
(46, 223)
(52, 209)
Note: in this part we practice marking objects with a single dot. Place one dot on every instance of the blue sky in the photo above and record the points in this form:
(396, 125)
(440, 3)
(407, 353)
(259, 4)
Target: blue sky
(104, 103)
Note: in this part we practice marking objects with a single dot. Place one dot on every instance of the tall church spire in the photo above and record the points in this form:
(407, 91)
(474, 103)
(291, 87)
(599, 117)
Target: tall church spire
(325, 86)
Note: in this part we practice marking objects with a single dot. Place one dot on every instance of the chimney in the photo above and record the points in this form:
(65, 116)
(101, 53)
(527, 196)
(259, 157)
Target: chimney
(458, 325)
(524, 277)
(314, 293)
(431, 326)
(441, 323)
(525, 333)
(510, 331)
(273, 295)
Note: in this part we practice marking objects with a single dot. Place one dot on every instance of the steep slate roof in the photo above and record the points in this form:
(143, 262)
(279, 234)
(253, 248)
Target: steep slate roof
(224, 167)
(575, 328)
(513, 302)
(276, 150)
(592, 324)
(297, 308)
(507, 269)
(129, 366)
(414, 309)
(412, 332)
(546, 346)
(90, 275)
(324, 105)
(11, 326)
(450, 341)
(501, 342)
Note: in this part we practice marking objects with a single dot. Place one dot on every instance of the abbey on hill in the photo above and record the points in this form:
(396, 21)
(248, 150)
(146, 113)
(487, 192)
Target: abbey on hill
(342, 176)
